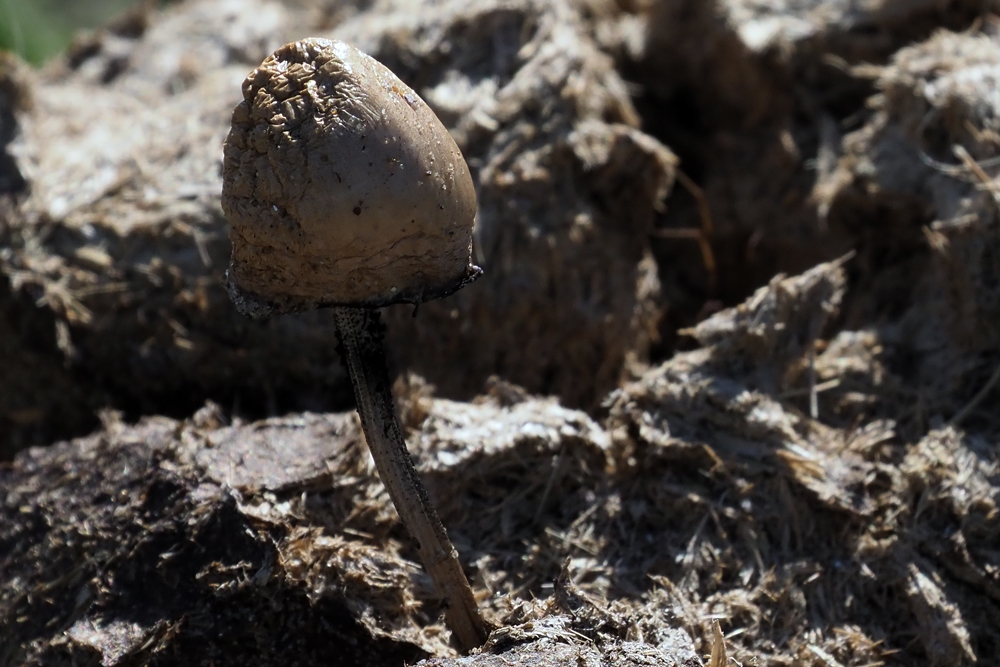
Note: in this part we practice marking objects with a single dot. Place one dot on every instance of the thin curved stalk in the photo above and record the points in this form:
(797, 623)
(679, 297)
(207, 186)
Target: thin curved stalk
(361, 336)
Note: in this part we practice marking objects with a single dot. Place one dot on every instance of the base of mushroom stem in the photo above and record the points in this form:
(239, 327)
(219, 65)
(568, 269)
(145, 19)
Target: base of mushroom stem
(361, 334)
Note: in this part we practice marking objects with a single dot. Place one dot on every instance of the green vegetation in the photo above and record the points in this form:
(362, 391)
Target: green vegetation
(39, 29)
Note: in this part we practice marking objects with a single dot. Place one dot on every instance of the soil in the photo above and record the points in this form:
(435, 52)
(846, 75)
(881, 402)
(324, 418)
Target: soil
(727, 386)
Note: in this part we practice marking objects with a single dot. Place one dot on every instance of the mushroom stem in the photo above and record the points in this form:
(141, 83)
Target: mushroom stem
(361, 336)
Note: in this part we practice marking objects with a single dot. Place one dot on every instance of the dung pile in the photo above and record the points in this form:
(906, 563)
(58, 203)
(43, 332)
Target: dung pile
(116, 231)
(820, 541)
(117, 236)
(755, 97)
(151, 542)
(765, 398)
(567, 186)
(920, 181)
(705, 494)
(148, 541)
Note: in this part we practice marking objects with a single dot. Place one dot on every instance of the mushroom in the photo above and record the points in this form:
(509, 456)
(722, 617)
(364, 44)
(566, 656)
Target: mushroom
(344, 190)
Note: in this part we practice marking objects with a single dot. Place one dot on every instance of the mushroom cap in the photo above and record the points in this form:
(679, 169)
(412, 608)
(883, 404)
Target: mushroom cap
(341, 187)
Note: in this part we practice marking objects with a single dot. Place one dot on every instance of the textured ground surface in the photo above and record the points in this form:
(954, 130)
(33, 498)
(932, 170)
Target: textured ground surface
(733, 357)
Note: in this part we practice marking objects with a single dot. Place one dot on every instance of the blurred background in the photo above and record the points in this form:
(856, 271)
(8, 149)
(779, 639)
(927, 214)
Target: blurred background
(38, 29)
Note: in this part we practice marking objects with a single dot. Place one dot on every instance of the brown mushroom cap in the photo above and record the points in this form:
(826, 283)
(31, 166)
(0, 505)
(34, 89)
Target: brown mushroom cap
(342, 187)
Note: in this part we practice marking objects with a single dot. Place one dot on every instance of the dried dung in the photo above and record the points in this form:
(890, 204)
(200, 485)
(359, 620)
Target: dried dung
(827, 545)
(553, 641)
(919, 180)
(118, 236)
(707, 494)
(748, 59)
(755, 97)
(807, 474)
(247, 531)
(567, 187)
(139, 545)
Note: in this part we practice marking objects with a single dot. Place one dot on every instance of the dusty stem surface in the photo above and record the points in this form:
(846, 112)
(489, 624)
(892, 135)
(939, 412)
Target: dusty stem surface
(361, 334)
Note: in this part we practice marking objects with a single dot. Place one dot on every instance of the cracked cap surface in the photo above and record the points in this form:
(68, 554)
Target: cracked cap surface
(341, 187)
